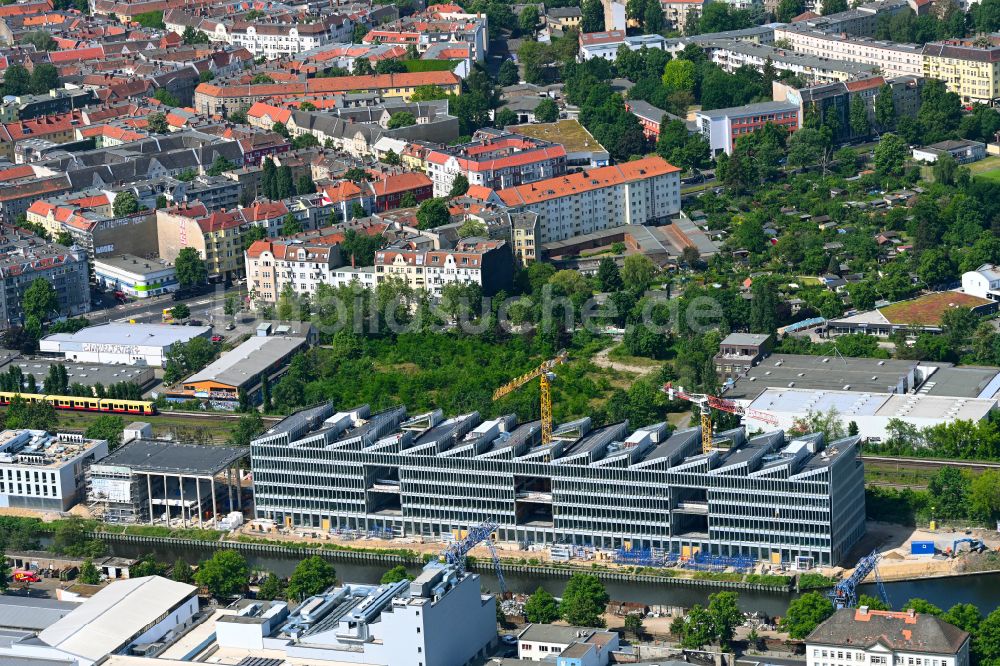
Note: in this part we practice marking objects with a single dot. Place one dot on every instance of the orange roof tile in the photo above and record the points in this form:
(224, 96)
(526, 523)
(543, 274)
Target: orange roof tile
(585, 181)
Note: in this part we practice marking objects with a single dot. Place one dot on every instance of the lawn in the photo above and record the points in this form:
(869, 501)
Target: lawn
(988, 168)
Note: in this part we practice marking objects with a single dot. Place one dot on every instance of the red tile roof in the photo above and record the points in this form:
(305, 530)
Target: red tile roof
(585, 181)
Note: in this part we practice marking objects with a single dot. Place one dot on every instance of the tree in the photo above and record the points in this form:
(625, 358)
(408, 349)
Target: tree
(89, 574)
(789, 9)
(547, 111)
(459, 186)
(652, 17)
(541, 607)
(125, 203)
(890, 155)
(584, 600)
(536, 58)
(181, 571)
(261, 78)
(508, 74)
(593, 16)
(389, 66)
(432, 213)
(697, 629)
(248, 428)
(806, 147)
(271, 588)
(192, 36)
(608, 276)
(40, 301)
(166, 97)
(219, 166)
(527, 20)
(401, 119)
(312, 576)
(252, 235)
(157, 123)
(986, 643)
(16, 80)
(41, 40)
(395, 575)
(633, 625)
(923, 607)
(805, 614)
(206, 76)
(225, 574)
(107, 427)
(472, 227)
(180, 311)
(834, 6)
(726, 615)
(873, 603)
(945, 169)
(392, 158)
(964, 616)
(858, 117)
(280, 128)
(190, 268)
(408, 200)
(984, 496)
(304, 141)
(885, 108)
(44, 78)
(679, 74)
(637, 273)
(358, 33)
(949, 489)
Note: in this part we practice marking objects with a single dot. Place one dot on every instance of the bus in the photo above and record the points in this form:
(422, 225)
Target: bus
(168, 316)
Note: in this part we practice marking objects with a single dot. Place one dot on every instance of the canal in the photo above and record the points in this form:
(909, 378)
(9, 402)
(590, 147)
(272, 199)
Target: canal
(981, 590)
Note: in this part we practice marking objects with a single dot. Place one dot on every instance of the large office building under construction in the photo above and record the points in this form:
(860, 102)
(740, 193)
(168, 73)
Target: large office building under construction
(770, 497)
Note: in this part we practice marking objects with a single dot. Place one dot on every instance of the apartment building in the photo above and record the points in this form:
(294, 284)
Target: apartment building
(636, 192)
(771, 497)
(88, 217)
(57, 128)
(43, 471)
(861, 21)
(211, 98)
(854, 636)
(25, 258)
(722, 128)
(678, 13)
(730, 55)
(892, 59)
(495, 159)
(217, 236)
(834, 99)
(968, 67)
(432, 27)
(739, 352)
(303, 261)
(270, 37)
(487, 263)
(605, 44)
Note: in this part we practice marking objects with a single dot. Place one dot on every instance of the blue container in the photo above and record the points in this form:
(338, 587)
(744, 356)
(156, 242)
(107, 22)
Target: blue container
(922, 548)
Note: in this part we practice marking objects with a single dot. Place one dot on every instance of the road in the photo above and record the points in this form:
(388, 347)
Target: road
(208, 308)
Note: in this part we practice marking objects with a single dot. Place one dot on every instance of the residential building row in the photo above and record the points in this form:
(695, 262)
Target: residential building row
(893, 59)
(440, 24)
(221, 98)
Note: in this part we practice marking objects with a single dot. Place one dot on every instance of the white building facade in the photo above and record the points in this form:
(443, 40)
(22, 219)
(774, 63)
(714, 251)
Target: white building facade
(638, 192)
(43, 471)
(865, 637)
(135, 276)
(121, 344)
(983, 282)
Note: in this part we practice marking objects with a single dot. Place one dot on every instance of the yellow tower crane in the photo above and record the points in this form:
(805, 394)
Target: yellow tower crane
(544, 372)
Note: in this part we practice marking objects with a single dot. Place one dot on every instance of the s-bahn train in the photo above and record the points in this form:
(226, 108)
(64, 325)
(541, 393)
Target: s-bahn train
(84, 403)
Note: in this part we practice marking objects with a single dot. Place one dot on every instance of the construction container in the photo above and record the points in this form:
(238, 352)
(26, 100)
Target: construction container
(922, 548)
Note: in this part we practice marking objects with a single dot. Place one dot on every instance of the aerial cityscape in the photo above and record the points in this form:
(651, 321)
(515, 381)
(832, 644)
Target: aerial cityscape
(578, 332)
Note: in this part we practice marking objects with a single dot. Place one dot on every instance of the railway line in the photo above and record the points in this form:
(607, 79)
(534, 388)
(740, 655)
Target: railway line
(930, 463)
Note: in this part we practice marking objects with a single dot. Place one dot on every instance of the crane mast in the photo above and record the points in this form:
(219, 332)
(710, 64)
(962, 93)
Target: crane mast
(544, 374)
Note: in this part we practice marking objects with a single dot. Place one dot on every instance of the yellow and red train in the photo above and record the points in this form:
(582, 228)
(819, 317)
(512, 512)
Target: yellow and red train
(85, 404)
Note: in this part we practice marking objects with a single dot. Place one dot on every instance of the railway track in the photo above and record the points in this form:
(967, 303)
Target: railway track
(931, 463)
(214, 415)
